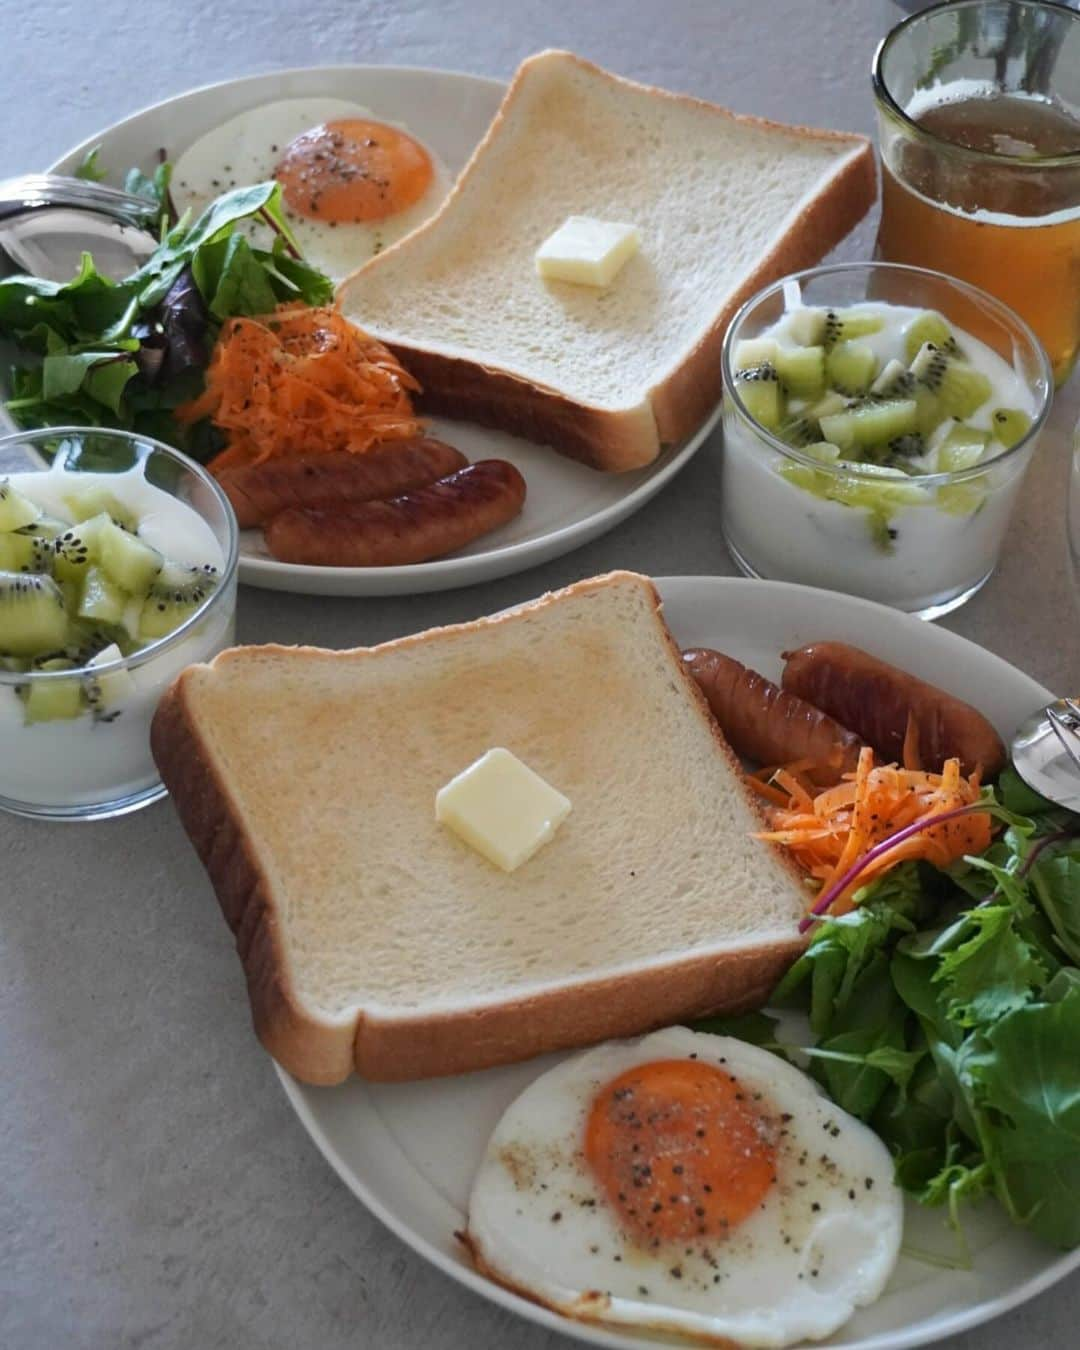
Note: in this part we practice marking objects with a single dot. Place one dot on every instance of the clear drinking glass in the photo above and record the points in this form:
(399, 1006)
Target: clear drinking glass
(95, 760)
(923, 543)
(979, 119)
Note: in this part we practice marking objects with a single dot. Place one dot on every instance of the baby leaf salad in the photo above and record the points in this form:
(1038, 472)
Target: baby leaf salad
(124, 353)
(944, 1009)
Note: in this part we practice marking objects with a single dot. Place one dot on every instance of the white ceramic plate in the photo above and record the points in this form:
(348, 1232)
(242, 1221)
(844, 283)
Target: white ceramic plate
(409, 1151)
(567, 505)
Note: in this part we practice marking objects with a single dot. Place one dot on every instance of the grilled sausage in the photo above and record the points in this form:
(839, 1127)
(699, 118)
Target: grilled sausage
(258, 492)
(764, 724)
(875, 700)
(411, 528)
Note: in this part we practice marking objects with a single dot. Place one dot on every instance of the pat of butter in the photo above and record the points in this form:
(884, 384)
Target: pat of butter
(501, 808)
(589, 252)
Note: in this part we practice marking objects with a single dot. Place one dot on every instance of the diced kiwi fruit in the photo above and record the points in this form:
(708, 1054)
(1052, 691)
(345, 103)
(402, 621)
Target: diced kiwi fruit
(805, 429)
(909, 446)
(107, 693)
(15, 509)
(961, 448)
(755, 352)
(1009, 426)
(761, 395)
(961, 499)
(32, 614)
(85, 502)
(882, 532)
(892, 489)
(870, 423)
(131, 563)
(175, 595)
(102, 600)
(801, 370)
(827, 327)
(45, 527)
(77, 548)
(25, 553)
(958, 387)
(799, 431)
(894, 381)
(929, 326)
(52, 700)
(851, 367)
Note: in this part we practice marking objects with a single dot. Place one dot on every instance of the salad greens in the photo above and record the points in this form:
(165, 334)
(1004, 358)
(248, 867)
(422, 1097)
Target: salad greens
(944, 1011)
(100, 352)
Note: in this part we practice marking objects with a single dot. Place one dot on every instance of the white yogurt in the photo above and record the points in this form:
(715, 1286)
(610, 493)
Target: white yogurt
(782, 531)
(85, 761)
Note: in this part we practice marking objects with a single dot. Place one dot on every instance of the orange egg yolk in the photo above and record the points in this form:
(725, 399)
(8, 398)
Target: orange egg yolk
(681, 1149)
(353, 171)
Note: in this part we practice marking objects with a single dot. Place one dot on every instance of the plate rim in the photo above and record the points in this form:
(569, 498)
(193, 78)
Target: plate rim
(254, 77)
(1055, 1271)
(440, 573)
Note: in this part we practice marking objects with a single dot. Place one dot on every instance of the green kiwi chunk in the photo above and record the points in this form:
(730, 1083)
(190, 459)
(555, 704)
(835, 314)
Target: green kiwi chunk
(827, 327)
(107, 693)
(52, 700)
(851, 367)
(175, 595)
(961, 448)
(25, 553)
(1009, 426)
(929, 326)
(77, 548)
(752, 352)
(959, 388)
(894, 381)
(799, 431)
(761, 395)
(130, 562)
(32, 614)
(15, 509)
(101, 601)
(870, 423)
(801, 370)
(45, 527)
(85, 502)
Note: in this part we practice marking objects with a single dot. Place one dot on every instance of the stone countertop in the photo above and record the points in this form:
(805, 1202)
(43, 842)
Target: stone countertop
(157, 1191)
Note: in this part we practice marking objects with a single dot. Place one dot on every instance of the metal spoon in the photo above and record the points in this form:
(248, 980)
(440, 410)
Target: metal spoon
(1046, 752)
(40, 191)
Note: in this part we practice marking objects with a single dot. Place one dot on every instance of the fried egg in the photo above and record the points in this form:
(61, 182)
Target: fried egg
(691, 1184)
(352, 183)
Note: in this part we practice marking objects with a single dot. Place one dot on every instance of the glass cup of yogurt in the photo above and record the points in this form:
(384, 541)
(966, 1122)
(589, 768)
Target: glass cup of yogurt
(878, 421)
(117, 569)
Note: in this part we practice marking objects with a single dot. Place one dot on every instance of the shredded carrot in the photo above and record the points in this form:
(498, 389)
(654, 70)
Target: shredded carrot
(302, 380)
(828, 831)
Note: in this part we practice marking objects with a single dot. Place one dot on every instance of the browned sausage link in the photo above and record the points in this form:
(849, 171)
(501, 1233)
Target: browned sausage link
(874, 699)
(764, 724)
(408, 529)
(258, 492)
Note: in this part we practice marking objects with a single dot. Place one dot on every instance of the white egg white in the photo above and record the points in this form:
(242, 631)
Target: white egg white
(823, 1242)
(247, 148)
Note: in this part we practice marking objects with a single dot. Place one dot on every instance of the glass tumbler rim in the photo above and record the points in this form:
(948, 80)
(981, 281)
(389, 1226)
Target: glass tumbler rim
(888, 104)
(228, 572)
(843, 469)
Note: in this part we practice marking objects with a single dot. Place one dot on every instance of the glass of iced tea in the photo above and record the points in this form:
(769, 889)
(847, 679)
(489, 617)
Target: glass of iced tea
(979, 119)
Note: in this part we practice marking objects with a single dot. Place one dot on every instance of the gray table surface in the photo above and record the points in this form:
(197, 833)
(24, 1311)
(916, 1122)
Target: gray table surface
(155, 1189)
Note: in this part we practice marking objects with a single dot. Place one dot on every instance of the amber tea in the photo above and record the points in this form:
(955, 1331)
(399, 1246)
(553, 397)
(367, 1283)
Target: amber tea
(995, 217)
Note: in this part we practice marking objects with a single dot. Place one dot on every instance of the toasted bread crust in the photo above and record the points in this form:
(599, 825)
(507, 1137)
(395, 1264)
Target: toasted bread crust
(434, 1043)
(454, 387)
(616, 440)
